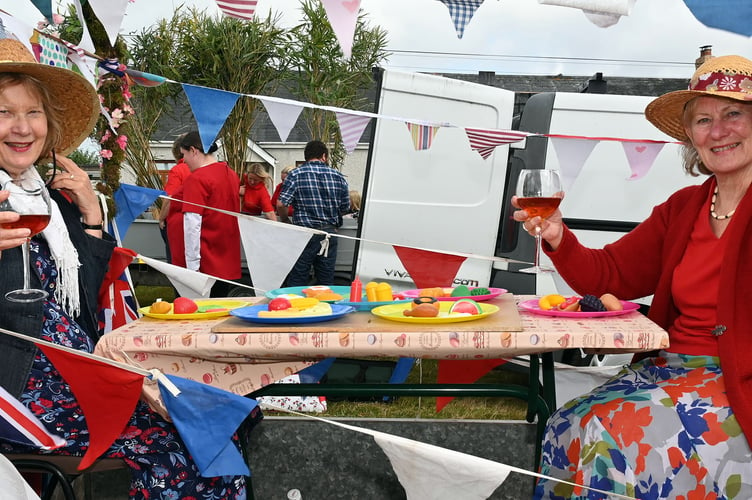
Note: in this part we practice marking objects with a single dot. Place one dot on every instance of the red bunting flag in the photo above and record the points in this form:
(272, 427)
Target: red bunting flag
(428, 269)
(462, 371)
(106, 393)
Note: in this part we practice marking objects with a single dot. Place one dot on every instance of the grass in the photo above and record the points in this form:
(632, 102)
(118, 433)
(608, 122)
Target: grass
(424, 371)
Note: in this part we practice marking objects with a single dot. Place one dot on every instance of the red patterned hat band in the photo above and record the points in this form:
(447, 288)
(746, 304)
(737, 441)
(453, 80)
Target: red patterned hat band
(722, 82)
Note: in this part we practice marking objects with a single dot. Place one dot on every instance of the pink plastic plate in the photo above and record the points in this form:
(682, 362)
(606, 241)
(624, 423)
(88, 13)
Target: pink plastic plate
(495, 292)
(532, 307)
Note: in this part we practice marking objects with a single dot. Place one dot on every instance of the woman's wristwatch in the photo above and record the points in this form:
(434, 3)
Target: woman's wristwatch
(95, 227)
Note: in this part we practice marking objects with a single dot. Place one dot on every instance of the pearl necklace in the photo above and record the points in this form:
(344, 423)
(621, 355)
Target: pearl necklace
(712, 208)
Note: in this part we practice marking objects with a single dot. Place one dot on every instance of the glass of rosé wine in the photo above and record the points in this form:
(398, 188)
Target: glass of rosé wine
(539, 194)
(30, 199)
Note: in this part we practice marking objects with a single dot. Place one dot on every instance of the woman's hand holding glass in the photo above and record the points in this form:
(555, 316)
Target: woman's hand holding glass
(10, 238)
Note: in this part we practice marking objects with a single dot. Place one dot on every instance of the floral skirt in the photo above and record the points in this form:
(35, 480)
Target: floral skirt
(662, 428)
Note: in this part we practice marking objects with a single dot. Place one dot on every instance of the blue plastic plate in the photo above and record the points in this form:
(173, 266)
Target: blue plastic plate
(250, 313)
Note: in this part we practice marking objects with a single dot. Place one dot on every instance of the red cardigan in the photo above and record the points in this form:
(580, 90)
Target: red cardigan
(641, 263)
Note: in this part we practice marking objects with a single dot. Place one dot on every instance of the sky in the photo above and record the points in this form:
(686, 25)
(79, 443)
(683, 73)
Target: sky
(659, 39)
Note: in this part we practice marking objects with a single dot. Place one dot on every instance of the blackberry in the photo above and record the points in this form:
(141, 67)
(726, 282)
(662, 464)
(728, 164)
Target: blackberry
(591, 303)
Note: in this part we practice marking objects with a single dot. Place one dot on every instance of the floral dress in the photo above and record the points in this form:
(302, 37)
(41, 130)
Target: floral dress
(662, 428)
(161, 467)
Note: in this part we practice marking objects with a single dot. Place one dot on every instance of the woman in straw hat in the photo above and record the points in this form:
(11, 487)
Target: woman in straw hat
(675, 424)
(46, 112)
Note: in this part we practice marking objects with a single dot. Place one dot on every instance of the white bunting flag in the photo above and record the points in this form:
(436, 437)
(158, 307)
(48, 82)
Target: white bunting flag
(110, 13)
(572, 154)
(641, 156)
(351, 127)
(191, 284)
(343, 16)
(283, 116)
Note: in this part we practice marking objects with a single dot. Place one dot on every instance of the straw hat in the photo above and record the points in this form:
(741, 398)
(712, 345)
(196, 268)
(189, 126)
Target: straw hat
(75, 96)
(723, 76)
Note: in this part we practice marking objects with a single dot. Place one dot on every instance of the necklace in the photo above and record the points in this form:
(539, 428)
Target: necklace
(712, 208)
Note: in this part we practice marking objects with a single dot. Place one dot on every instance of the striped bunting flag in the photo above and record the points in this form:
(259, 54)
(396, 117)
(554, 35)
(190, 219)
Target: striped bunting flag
(484, 141)
(19, 425)
(422, 135)
(239, 9)
(351, 127)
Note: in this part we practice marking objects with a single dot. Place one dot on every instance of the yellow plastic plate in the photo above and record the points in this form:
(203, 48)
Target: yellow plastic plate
(227, 305)
(394, 313)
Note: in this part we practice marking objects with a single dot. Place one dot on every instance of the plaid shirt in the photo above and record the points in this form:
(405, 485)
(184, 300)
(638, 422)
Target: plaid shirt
(318, 194)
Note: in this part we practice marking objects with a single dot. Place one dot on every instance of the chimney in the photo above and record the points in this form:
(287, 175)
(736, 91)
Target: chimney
(706, 52)
(486, 77)
(596, 85)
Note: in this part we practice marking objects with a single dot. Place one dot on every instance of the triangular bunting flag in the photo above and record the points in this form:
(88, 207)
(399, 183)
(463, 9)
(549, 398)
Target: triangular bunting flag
(343, 17)
(206, 418)
(462, 371)
(107, 395)
(191, 284)
(461, 12)
(572, 154)
(484, 140)
(351, 127)
(52, 52)
(18, 425)
(239, 9)
(283, 116)
(86, 42)
(602, 13)
(132, 201)
(145, 79)
(641, 156)
(728, 15)
(110, 13)
(210, 108)
(429, 472)
(271, 250)
(429, 269)
(45, 7)
(422, 135)
(117, 304)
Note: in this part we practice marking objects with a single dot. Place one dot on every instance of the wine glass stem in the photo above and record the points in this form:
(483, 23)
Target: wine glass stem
(538, 244)
(26, 264)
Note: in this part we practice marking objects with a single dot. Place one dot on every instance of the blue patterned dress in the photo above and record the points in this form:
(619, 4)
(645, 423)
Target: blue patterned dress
(161, 467)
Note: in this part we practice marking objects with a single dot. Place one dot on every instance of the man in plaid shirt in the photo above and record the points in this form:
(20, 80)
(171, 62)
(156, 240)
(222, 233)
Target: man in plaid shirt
(319, 195)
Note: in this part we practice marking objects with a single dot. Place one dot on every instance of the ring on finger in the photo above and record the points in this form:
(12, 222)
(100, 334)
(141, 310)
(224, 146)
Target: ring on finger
(72, 177)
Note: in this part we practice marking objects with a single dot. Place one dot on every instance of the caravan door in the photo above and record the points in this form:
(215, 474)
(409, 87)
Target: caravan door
(445, 198)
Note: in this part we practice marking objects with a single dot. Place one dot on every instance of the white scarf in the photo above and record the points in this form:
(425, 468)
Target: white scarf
(63, 252)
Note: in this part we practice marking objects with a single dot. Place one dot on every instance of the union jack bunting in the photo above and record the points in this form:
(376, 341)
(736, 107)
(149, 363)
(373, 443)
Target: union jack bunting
(422, 135)
(484, 141)
(239, 9)
(461, 12)
(117, 304)
(19, 425)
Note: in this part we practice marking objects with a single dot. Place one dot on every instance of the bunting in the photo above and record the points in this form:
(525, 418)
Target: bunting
(462, 371)
(422, 135)
(45, 7)
(110, 13)
(132, 201)
(191, 284)
(484, 141)
(239, 9)
(641, 156)
(572, 154)
(145, 79)
(210, 108)
(117, 303)
(51, 52)
(343, 17)
(727, 15)
(351, 128)
(602, 13)
(461, 12)
(283, 116)
(18, 425)
(427, 268)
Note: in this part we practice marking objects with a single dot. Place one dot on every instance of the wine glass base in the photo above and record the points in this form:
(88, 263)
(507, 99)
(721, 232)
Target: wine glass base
(26, 295)
(537, 270)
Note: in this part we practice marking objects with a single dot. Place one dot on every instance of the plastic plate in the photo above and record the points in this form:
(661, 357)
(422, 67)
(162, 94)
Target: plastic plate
(227, 305)
(298, 290)
(250, 313)
(394, 313)
(495, 292)
(532, 307)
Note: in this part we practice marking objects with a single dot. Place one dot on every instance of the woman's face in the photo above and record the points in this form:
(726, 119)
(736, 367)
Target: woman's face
(721, 132)
(23, 129)
(254, 179)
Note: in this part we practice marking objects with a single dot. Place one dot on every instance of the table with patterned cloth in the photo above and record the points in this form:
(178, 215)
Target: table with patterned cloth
(243, 357)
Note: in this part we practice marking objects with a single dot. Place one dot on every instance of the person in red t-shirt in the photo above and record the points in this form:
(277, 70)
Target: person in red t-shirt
(254, 192)
(278, 189)
(171, 215)
(212, 238)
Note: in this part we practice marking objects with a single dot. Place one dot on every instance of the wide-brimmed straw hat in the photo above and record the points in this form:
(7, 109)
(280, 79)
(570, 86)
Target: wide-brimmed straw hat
(70, 91)
(723, 76)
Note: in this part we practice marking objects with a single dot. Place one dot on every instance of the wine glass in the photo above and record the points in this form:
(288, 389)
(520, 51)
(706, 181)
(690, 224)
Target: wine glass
(539, 194)
(30, 199)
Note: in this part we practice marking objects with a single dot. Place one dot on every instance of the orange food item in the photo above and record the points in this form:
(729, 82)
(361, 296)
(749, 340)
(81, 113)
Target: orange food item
(424, 300)
(422, 311)
(611, 302)
(313, 291)
(160, 307)
(303, 303)
(548, 302)
(328, 296)
(571, 304)
(431, 292)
